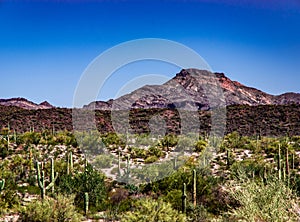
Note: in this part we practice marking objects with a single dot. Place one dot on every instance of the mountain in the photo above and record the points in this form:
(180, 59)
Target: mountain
(193, 88)
(25, 104)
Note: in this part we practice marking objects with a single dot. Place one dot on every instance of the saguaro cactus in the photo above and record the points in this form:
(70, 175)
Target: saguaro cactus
(86, 165)
(119, 163)
(86, 203)
(293, 161)
(2, 184)
(41, 181)
(70, 163)
(52, 178)
(15, 137)
(175, 163)
(228, 157)
(127, 171)
(287, 167)
(184, 198)
(279, 163)
(194, 187)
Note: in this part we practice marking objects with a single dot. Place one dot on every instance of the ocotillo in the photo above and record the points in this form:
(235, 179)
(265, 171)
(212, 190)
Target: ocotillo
(194, 187)
(184, 198)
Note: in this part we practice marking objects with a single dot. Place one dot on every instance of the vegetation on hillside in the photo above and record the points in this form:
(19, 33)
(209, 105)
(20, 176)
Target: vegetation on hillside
(44, 176)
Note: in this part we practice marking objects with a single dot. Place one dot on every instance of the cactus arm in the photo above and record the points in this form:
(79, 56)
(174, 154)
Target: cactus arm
(52, 183)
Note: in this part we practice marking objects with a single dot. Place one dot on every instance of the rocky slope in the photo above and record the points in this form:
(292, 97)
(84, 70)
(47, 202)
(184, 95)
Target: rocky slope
(195, 89)
(25, 104)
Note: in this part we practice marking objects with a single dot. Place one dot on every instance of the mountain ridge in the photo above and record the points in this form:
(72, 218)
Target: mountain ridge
(192, 84)
(188, 89)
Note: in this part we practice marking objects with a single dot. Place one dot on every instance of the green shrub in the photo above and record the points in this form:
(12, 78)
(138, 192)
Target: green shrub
(60, 209)
(8, 200)
(272, 201)
(103, 161)
(151, 159)
(200, 145)
(152, 211)
(91, 181)
(174, 197)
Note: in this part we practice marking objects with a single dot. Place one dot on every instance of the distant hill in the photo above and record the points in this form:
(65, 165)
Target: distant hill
(25, 104)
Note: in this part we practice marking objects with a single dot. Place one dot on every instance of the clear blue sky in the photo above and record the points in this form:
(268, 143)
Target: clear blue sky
(45, 46)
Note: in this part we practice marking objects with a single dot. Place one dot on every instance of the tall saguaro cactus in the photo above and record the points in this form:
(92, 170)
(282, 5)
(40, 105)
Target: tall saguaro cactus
(42, 181)
(287, 167)
(194, 187)
(279, 163)
(86, 203)
(228, 157)
(175, 163)
(52, 178)
(184, 198)
(119, 164)
(128, 168)
(2, 184)
(70, 163)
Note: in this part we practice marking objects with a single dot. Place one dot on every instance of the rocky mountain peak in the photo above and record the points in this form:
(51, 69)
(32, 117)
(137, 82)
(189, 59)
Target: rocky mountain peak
(194, 86)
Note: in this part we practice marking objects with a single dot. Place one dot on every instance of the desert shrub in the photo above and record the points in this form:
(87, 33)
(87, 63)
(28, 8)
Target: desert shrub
(174, 197)
(8, 200)
(91, 181)
(156, 151)
(234, 141)
(103, 161)
(200, 145)
(200, 214)
(29, 138)
(151, 159)
(59, 209)
(271, 201)
(247, 167)
(152, 211)
(168, 141)
(136, 152)
(112, 139)
(185, 143)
